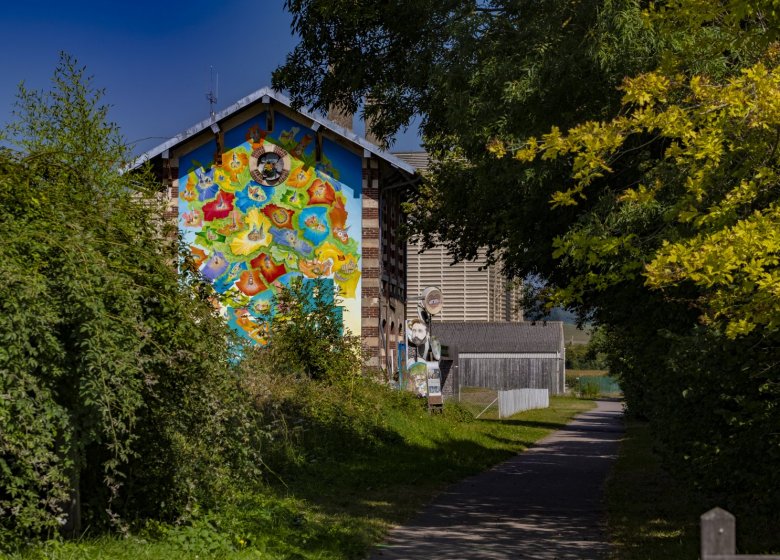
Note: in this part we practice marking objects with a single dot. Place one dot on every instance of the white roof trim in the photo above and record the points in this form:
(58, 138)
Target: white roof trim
(265, 95)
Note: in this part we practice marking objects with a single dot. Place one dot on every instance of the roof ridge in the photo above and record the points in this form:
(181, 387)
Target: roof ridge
(260, 95)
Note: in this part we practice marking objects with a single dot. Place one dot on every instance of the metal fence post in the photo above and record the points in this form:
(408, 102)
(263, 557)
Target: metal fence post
(718, 534)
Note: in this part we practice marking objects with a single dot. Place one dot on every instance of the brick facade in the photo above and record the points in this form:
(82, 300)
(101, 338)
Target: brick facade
(370, 290)
(384, 260)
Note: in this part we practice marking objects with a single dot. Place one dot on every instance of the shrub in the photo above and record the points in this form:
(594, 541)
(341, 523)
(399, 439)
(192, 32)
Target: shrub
(307, 335)
(117, 390)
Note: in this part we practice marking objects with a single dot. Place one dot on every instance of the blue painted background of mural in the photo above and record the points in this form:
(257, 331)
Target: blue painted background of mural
(268, 212)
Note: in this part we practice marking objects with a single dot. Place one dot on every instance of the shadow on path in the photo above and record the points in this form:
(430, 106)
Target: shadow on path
(545, 503)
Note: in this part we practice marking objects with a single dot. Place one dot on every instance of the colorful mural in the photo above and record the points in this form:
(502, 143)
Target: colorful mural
(267, 212)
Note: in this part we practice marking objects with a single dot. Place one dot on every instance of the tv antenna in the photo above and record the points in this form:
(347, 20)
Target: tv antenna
(213, 93)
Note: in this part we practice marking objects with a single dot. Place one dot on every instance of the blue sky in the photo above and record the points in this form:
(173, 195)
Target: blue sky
(153, 58)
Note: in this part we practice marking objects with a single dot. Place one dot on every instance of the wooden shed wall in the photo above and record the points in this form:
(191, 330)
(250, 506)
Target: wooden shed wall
(503, 373)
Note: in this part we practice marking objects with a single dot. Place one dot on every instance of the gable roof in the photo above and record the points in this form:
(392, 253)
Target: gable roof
(266, 95)
(504, 337)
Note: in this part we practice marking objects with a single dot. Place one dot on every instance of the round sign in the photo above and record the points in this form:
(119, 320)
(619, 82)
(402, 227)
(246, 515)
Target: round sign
(269, 165)
(432, 300)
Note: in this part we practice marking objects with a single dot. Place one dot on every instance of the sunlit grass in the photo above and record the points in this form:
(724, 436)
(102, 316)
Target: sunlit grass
(336, 506)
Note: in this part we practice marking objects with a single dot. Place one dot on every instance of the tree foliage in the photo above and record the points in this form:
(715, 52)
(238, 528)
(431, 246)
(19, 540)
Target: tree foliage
(715, 179)
(117, 392)
(473, 71)
(623, 152)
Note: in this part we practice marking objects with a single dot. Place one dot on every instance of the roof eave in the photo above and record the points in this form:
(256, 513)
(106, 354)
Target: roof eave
(284, 100)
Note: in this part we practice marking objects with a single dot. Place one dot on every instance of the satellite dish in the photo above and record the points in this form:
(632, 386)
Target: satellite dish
(432, 300)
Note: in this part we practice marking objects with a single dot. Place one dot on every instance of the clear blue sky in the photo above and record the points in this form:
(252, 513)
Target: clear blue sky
(152, 58)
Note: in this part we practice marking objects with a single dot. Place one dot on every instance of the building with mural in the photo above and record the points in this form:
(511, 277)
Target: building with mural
(263, 194)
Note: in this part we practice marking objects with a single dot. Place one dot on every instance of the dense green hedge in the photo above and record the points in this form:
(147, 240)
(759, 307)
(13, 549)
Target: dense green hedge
(712, 404)
(118, 398)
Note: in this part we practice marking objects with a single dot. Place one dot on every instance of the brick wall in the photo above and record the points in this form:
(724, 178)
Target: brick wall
(384, 261)
(370, 300)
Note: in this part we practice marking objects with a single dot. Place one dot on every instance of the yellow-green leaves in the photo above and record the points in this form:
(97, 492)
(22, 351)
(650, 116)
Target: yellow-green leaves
(497, 148)
(646, 89)
(737, 266)
(716, 169)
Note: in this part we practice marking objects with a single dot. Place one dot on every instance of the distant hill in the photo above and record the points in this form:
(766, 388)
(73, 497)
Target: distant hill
(571, 334)
(559, 314)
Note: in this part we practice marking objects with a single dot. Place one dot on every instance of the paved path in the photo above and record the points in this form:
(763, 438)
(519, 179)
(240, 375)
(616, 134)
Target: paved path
(545, 503)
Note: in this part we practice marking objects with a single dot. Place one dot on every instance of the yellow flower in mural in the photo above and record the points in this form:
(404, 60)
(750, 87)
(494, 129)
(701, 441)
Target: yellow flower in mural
(330, 251)
(300, 177)
(347, 276)
(345, 269)
(222, 180)
(254, 237)
(228, 174)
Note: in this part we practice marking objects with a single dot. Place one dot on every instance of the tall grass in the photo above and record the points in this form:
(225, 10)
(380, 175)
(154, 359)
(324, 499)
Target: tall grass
(344, 464)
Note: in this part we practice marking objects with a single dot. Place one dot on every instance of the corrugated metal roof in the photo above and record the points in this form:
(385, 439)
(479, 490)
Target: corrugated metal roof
(419, 160)
(256, 97)
(490, 337)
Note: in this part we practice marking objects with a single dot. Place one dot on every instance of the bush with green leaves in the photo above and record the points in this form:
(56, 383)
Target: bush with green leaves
(118, 396)
(308, 337)
(585, 356)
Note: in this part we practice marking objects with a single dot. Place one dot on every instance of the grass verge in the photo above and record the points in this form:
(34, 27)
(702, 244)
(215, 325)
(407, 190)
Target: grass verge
(346, 473)
(651, 515)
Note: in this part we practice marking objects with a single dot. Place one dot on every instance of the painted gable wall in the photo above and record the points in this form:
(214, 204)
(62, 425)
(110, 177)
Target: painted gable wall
(268, 212)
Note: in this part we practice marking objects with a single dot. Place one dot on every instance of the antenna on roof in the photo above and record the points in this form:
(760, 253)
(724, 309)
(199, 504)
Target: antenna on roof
(213, 93)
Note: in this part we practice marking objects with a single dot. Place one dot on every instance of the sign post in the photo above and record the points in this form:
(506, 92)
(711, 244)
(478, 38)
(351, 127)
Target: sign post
(435, 398)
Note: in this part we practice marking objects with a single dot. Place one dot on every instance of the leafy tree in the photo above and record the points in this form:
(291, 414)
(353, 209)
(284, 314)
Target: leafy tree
(117, 390)
(624, 153)
(588, 356)
(693, 234)
(473, 71)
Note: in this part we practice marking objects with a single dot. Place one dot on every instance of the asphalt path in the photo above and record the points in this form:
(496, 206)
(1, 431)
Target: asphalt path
(545, 503)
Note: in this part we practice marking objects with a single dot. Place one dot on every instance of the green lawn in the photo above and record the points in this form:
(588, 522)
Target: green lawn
(338, 500)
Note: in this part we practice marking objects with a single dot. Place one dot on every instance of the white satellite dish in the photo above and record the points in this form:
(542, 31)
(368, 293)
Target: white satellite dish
(432, 300)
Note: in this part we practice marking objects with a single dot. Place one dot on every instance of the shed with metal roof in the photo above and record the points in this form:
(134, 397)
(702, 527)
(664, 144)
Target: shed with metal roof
(504, 355)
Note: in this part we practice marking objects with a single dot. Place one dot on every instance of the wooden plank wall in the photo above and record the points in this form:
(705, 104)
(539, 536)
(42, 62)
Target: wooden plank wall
(512, 373)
